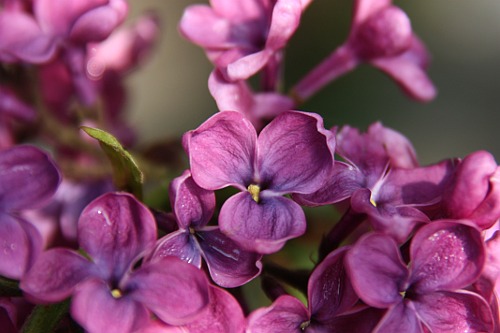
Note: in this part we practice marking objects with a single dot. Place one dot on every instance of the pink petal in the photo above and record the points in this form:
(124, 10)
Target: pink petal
(365, 8)
(285, 20)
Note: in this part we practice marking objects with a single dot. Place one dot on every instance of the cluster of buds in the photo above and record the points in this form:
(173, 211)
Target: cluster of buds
(84, 246)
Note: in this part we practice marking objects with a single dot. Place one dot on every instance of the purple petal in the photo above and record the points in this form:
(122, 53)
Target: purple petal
(238, 10)
(114, 229)
(12, 106)
(222, 151)
(454, 312)
(97, 310)
(230, 96)
(192, 205)
(262, 227)
(28, 178)
(173, 290)
(365, 8)
(20, 244)
(229, 265)
(378, 274)
(223, 315)
(245, 67)
(295, 153)
(446, 255)
(285, 315)
(179, 244)
(202, 26)
(55, 275)
(400, 318)
(329, 290)
(21, 38)
(285, 20)
(6, 323)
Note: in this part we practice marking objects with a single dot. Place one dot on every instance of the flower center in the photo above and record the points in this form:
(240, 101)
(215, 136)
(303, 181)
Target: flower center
(254, 192)
(116, 293)
(304, 325)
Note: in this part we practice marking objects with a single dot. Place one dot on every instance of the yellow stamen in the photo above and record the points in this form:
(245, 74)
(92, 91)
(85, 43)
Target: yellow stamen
(305, 325)
(116, 293)
(254, 191)
(372, 201)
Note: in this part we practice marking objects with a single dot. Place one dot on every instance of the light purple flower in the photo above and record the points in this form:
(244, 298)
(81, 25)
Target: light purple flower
(428, 293)
(330, 305)
(228, 264)
(108, 294)
(293, 154)
(28, 178)
(381, 35)
(241, 37)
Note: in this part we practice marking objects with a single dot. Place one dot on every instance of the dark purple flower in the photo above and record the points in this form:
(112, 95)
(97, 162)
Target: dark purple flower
(108, 294)
(293, 154)
(241, 37)
(428, 294)
(28, 178)
(330, 297)
(229, 265)
(381, 35)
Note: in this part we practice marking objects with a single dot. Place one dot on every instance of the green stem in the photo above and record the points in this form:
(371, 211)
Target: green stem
(45, 318)
(9, 288)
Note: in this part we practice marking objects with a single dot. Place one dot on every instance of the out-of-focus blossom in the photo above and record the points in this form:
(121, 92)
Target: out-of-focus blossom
(237, 96)
(293, 154)
(229, 265)
(28, 178)
(108, 294)
(429, 293)
(12, 109)
(330, 298)
(242, 37)
(381, 35)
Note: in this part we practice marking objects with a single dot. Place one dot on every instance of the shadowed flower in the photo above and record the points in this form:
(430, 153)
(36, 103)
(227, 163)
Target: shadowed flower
(108, 293)
(293, 154)
(428, 294)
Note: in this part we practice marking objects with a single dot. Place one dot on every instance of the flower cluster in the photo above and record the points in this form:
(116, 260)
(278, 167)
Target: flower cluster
(91, 239)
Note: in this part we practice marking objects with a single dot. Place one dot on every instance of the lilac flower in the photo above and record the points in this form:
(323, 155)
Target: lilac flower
(381, 178)
(241, 37)
(223, 315)
(428, 294)
(12, 109)
(293, 154)
(108, 294)
(237, 96)
(330, 297)
(381, 35)
(28, 178)
(193, 207)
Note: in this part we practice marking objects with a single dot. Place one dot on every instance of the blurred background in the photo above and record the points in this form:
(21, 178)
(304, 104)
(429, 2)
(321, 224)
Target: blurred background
(169, 94)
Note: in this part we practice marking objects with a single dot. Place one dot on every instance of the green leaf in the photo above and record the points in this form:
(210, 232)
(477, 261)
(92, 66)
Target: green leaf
(45, 318)
(126, 174)
(9, 288)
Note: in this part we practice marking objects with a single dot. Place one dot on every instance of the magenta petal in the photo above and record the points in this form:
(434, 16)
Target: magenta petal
(28, 179)
(192, 205)
(172, 289)
(377, 271)
(329, 290)
(262, 227)
(448, 312)
(410, 77)
(202, 26)
(222, 150)
(179, 244)
(284, 22)
(223, 315)
(295, 153)
(243, 68)
(229, 265)
(16, 248)
(365, 8)
(12, 106)
(285, 315)
(398, 319)
(230, 96)
(446, 255)
(97, 310)
(55, 275)
(114, 229)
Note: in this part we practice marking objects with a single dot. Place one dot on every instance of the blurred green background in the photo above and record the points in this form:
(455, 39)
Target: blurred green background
(169, 93)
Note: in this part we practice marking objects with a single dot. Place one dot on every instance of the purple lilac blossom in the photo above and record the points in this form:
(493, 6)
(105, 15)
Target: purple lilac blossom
(380, 35)
(237, 96)
(228, 264)
(429, 293)
(293, 154)
(12, 109)
(108, 294)
(331, 305)
(242, 37)
(28, 178)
